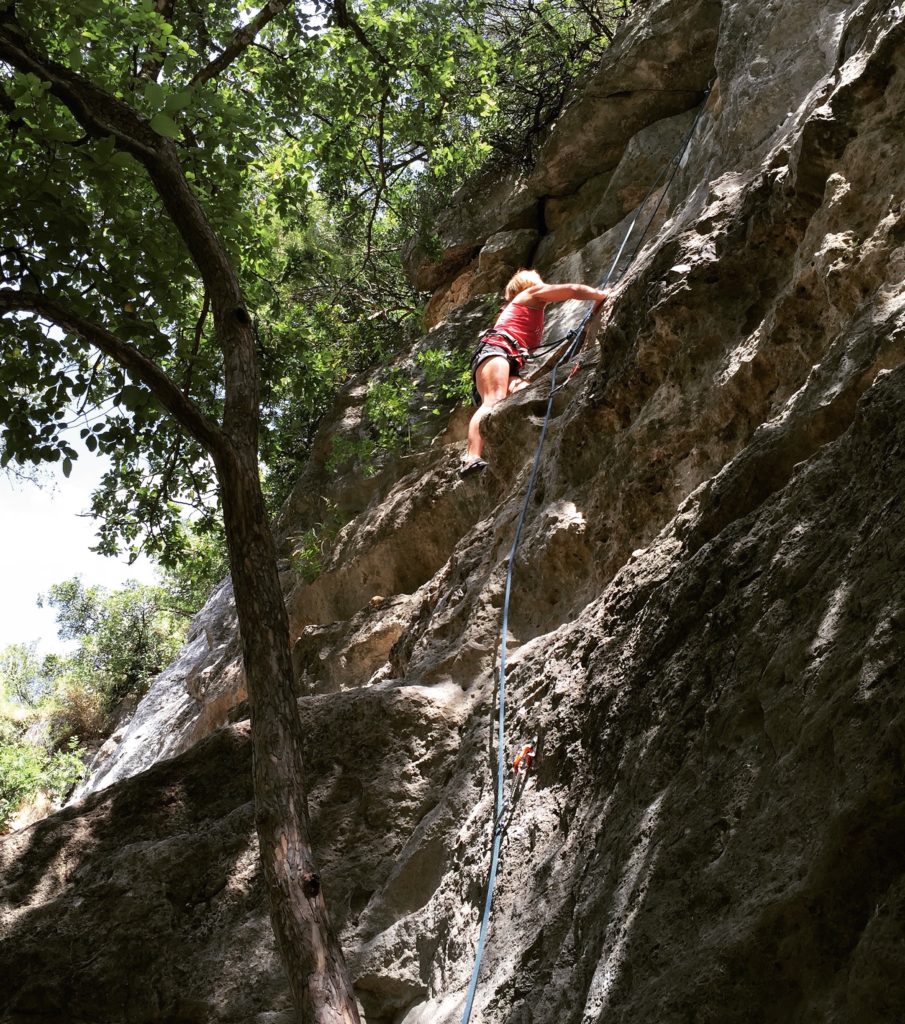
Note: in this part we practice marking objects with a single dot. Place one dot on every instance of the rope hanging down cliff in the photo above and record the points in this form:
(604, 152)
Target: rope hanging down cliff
(573, 341)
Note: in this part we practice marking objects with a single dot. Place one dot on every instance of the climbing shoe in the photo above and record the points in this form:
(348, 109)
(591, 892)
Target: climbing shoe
(472, 468)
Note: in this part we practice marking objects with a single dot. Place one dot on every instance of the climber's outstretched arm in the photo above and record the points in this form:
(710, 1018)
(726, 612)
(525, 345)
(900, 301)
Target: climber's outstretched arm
(539, 293)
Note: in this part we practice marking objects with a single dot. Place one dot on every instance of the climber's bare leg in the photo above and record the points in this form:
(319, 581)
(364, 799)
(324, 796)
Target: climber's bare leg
(492, 381)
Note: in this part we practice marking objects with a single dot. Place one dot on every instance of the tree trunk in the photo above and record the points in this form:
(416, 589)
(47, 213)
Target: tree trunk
(297, 908)
(321, 987)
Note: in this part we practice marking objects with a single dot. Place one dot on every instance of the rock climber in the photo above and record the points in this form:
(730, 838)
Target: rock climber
(504, 349)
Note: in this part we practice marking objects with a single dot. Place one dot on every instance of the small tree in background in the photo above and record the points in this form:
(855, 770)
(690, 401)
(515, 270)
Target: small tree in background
(125, 637)
(27, 769)
(27, 687)
(25, 678)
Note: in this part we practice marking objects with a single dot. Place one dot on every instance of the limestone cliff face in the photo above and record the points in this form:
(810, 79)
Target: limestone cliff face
(708, 618)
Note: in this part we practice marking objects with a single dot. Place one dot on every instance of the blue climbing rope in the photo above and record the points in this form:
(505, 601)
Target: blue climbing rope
(573, 341)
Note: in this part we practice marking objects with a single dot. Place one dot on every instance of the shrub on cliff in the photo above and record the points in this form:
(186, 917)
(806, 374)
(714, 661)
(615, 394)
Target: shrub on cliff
(27, 769)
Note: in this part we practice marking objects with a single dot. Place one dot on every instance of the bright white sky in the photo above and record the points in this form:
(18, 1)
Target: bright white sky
(44, 540)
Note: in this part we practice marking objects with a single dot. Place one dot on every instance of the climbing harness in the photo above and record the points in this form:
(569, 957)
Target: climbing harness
(573, 341)
(517, 348)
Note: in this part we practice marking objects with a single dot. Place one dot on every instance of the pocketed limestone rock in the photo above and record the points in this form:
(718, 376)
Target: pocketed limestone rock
(450, 297)
(659, 67)
(344, 655)
(647, 160)
(504, 253)
(493, 201)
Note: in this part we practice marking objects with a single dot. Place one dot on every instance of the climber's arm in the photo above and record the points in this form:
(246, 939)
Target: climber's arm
(560, 293)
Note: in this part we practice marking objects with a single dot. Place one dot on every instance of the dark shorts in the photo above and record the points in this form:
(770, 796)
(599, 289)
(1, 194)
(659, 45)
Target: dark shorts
(487, 351)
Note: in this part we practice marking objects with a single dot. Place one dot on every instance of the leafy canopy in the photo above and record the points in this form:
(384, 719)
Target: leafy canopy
(27, 769)
(315, 140)
(325, 103)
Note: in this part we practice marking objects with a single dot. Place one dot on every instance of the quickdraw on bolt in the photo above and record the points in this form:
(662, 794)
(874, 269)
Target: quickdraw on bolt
(525, 758)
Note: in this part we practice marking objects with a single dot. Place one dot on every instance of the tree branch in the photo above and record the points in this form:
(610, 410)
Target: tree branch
(101, 114)
(345, 19)
(139, 367)
(153, 64)
(199, 331)
(8, 107)
(242, 38)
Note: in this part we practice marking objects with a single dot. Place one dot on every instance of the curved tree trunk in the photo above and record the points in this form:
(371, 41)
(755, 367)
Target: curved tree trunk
(297, 910)
(321, 987)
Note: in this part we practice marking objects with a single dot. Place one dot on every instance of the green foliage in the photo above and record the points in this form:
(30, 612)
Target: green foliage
(310, 548)
(24, 677)
(27, 769)
(85, 230)
(386, 418)
(307, 556)
(326, 318)
(447, 376)
(541, 51)
(27, 692)
(389, 421)
(81, 224)
(125, 637)
(194, 568)
(346, 452)
(387, 411)
(76, 709)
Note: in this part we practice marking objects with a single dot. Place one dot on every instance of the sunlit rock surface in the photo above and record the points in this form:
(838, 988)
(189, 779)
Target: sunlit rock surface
(707, 625)
(180, 707)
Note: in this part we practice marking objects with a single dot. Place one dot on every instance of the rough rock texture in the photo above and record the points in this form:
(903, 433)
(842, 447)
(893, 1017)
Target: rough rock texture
(497, 260)
(707, 626)
(659, 66)
(180, 707)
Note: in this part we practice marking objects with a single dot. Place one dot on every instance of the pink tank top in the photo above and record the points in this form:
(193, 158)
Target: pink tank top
(524, 323)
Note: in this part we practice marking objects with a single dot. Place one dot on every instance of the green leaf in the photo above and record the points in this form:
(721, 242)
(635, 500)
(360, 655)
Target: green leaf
(133, 397)
(60, 133)
(177, 101)
(67, 467)
(104, 148)
(165, 126)
(155, 94)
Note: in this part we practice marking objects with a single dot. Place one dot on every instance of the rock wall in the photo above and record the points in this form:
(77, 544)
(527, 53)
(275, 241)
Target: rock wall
(707, 618)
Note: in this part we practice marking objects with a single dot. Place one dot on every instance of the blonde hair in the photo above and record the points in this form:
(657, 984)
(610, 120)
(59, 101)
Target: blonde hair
(521, 280)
